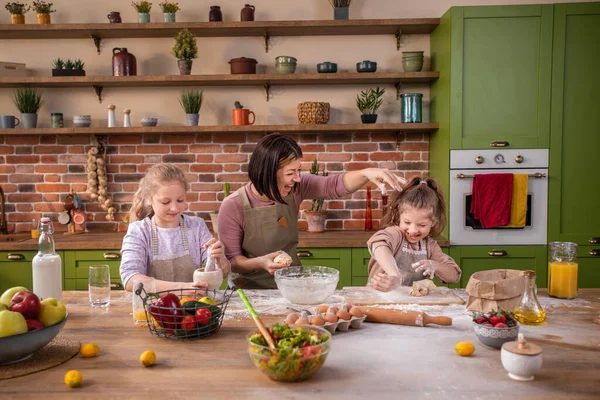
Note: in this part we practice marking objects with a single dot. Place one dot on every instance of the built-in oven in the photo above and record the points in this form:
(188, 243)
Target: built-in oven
(465, 229)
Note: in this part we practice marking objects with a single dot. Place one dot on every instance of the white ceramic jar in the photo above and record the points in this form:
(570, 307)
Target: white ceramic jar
(522, 360)
(213, 278)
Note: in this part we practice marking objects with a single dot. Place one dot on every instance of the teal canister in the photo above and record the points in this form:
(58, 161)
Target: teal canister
(411, 107)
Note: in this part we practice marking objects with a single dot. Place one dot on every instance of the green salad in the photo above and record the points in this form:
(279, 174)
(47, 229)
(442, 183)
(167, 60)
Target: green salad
(300, 352)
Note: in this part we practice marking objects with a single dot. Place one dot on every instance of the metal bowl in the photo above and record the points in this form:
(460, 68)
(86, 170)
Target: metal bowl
(20, 347)
(326, 67)
(308, 284)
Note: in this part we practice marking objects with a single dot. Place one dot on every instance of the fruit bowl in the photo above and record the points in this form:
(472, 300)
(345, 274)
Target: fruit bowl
(308, 284)
(495, 337)
(290, 364)
(21, 347)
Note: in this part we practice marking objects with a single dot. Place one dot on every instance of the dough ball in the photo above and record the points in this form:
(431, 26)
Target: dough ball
(283, 259)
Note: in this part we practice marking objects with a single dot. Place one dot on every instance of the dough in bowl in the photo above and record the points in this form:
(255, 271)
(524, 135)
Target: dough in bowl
(283, 259)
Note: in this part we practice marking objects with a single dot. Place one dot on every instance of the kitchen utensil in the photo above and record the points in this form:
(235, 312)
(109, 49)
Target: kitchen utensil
(403, 317)
(243, 65)
(522, 360)
(495, 337)
(257, 321)
(241, 116)
(326, 67)
(99, 285)
(362, 295)
(366, 66)
(307, 284)
(9, 121)
(123, 62)
(214, 278)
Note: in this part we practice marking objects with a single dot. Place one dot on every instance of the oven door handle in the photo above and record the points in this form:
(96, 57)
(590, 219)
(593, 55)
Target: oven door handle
(497, 253)
(499, 143)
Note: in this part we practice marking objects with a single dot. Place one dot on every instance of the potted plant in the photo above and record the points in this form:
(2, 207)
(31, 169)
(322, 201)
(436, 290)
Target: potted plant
(68, 67)
(368, 102)
(169, 8)
(215, 215)
(191, 102)
(17, 12)
(28, 102)
(43, 11)
(143, 8)
(316, 216)
(341, 8)
(185, 50)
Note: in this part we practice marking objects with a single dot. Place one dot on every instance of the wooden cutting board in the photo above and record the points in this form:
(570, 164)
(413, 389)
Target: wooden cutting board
(362, 295)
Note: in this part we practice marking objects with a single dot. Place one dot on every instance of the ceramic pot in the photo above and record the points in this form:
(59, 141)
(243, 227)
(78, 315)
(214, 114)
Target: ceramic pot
(29, 120)
(43, 19)
(366, 66)
(143, 18)
(185, 67)
(149, 121)
(285, 68)
(341, 12)
(316, 220)
(368, 118)
(215, 14)
(82, 121)
(243, 65)
(17, 18)
(326, 67)
(124, 63)
(114, 17)
(192, 119)
(522, 360)
(169, 17)
(213, 278)
(412, 64)
(247, 13)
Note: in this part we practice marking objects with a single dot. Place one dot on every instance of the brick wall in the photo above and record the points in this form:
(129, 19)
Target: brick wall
(37, 172)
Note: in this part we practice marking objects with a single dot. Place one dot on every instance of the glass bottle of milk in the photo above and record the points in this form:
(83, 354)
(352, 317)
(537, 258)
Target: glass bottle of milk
(47, 265)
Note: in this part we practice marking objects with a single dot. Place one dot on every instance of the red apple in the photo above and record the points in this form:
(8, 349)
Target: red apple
(33, 325)
(26, 303)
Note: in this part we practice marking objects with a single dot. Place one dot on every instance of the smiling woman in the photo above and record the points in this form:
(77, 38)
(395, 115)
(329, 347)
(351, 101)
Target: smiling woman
(261, 218)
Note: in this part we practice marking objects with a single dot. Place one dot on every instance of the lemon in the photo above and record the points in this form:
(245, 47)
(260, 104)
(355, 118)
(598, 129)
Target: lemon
(73, 378)
(89, 350)
(464, 349)
(148, 358)
(207, 300)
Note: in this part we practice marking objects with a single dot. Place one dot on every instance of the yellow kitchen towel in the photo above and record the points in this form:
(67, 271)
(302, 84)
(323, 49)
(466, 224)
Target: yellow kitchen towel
(518, 208)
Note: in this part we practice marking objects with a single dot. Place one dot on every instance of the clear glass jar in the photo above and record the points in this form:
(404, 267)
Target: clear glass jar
(529, 311)
(562, 270)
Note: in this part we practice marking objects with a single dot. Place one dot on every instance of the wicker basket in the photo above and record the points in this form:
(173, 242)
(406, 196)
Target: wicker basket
(311, 112)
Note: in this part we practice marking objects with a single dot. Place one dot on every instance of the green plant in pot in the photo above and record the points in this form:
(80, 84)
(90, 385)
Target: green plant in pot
(68, 67)
(214, 215)
(169, 8)
(341, 8)
(191, 102)
(368, 102)
(28, 102)
(143, 8)
(185, 50)
(17, 12)
(43, 11)
(315, 216)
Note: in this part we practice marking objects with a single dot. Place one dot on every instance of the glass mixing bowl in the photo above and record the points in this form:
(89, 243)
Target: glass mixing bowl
(307, 284)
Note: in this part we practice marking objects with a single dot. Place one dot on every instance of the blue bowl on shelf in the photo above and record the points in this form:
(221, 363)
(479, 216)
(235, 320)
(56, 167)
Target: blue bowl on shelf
(326, 67)
(366, 66)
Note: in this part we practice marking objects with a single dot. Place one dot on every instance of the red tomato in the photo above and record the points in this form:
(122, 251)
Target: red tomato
(203, 316)
(188, 323)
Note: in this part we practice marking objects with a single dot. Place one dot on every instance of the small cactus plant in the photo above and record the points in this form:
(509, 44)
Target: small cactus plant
(58, 64)
(317, 204)
(238, 105)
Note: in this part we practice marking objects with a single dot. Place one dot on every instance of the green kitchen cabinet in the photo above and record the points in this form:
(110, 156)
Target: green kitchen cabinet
(338, 258)
(574, 175)
(472, 259)
(15, 269)
(77, 262)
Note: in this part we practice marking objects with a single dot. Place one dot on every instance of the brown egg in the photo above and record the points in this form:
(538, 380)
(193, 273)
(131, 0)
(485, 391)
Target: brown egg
(330, 317)
(334, 309)
(345, 315)
(317, 320)
(322, 308)
(348, 306)
(356, 312)
(291, 319)
(302, 321)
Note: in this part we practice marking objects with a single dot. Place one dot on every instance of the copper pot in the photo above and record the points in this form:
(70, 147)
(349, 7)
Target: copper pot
(243, 65)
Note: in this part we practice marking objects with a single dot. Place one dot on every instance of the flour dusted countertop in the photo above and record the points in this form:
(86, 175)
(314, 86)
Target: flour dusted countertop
(114, 240)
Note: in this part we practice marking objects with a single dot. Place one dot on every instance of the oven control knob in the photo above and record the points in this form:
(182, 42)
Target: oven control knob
(519, 159)
(479, 160)
(499, 158)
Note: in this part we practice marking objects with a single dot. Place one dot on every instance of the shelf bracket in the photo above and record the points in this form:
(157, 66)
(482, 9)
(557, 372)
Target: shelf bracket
(266, 38)
(97, 41)
(399, 39)
(267, 87)
(398, 86)
(98, 90)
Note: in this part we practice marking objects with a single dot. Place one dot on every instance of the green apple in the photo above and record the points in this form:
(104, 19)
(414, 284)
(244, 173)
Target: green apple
(12, 323)
(3, 307)
(52, 311)
(9, 293)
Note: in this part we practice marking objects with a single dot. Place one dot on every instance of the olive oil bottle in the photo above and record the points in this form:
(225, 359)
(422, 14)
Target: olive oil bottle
(529, 311)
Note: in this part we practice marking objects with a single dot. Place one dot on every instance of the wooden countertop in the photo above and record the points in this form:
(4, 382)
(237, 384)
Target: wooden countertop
(377, 360)
(114, 240)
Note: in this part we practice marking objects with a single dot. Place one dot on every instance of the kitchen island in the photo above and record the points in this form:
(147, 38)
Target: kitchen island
(378, 360)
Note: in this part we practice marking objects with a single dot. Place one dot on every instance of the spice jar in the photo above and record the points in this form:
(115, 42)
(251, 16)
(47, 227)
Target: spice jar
(529, 311)
(562, 270)
(57, 120)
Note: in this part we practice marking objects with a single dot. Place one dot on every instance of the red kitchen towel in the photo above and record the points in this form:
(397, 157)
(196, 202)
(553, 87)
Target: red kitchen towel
(492, 199)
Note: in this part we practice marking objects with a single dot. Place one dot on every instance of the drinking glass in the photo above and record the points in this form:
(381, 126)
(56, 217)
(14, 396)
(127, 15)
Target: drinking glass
(139, 314)
(99, 285)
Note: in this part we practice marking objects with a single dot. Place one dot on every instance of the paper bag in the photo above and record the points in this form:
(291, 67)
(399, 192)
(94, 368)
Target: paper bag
(489, 290)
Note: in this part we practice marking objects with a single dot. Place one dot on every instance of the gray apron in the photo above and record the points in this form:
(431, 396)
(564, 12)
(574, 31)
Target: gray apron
(265, 234)
(178, 268)
(404, 259)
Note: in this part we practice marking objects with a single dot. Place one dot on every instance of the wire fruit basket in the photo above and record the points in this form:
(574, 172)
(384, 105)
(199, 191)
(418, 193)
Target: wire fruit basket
(168, 318)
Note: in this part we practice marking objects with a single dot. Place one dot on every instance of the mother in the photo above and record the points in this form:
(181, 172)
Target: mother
(261, 218)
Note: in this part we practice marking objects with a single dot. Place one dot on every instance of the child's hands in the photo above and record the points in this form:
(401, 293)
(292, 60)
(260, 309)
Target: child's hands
(428, 267)
(384, 282)
(217, 251)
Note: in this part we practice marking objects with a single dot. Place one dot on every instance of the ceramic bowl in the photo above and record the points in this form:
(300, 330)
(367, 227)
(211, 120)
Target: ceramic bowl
(214, 279)
(307, 284)
(520, 367)
(412, 64)
(285, 68)
(366, 66)
(285, 60)
(326, 67)
(147, 121)
(21, 347)
(412, 54)
(82, 121)
(495, 337)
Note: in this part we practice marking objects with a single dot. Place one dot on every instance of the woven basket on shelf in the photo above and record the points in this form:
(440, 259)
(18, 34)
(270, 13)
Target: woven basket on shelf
(312, 112)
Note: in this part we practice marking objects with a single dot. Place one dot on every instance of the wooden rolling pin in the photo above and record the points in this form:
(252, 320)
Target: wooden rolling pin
(403, 317)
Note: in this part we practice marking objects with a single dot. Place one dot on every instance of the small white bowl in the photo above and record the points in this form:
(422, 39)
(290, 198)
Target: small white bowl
(213, 278)
(147, 121)
(82, 121)
(522, 360)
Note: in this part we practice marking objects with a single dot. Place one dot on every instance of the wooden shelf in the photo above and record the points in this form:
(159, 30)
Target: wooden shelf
(220, 29)
(223, 129)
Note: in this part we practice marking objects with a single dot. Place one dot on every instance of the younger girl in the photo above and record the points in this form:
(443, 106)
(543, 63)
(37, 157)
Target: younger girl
(161, 241)
(404, 251)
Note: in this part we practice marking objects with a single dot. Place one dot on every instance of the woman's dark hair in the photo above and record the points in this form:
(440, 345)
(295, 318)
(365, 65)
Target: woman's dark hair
(271, 153)
(418, 193)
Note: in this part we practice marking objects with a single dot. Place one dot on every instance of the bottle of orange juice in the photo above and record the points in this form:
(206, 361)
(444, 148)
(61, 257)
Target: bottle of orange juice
(562, 270)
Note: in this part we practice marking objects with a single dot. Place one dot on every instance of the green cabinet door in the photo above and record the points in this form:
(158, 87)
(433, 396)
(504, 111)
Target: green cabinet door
(77, 262)
(360, 264)
(588, 273)
(15, 269)
(338, 258)
(574, 181)
(471, 259)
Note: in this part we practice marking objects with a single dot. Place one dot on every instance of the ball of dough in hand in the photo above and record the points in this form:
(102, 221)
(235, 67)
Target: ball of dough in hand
(283, 259)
